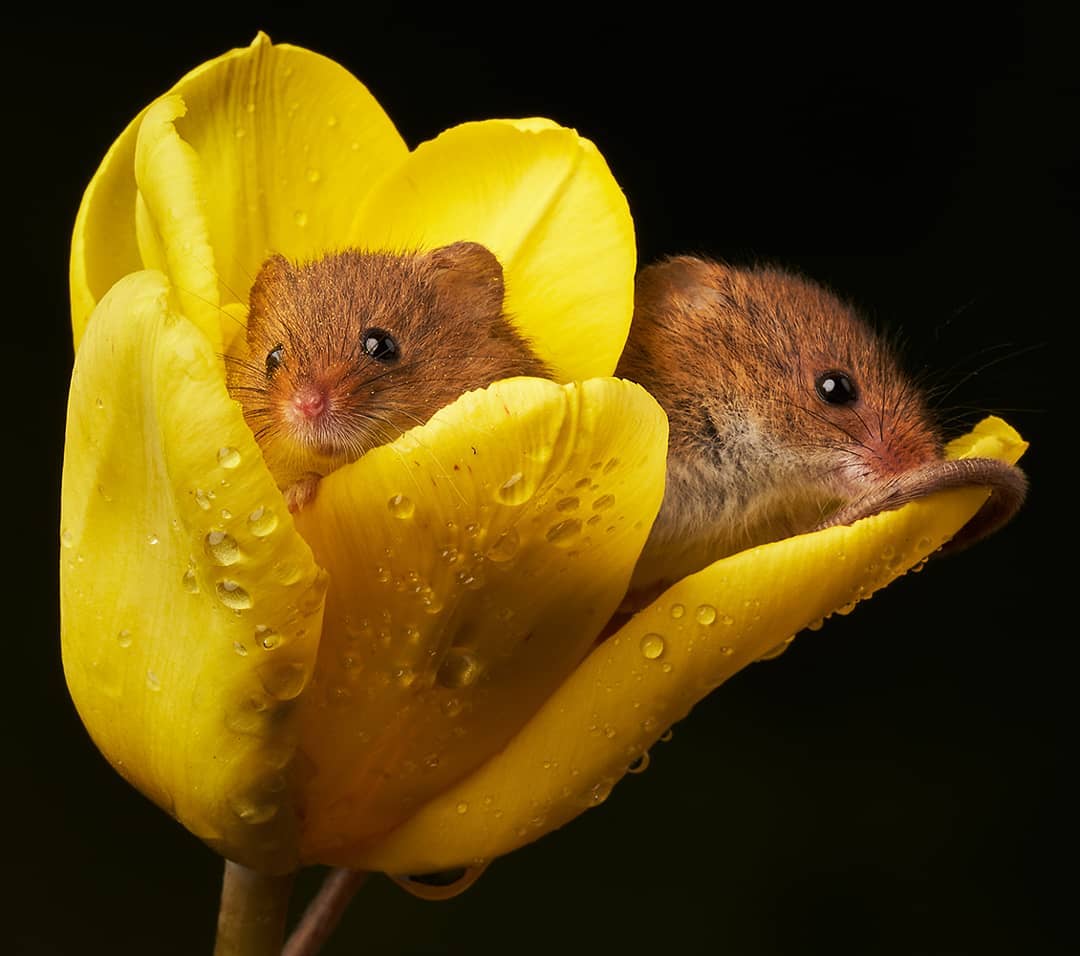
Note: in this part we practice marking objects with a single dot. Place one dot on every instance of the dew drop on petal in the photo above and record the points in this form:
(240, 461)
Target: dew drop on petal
(313, 176)
(300, 218)
(462, 807)
(228, 457)
(652, 646)
(459, 668)
(567, 504)
(515, 490)
(233, 596)
(253, 811)
(222, 548)
(564, 533)
(261, 522)
(190, 582)
(705, 614)
(266, 637)
(677, 611)
(67, 539)
(283, 680)
(153, 682)
(666, 736)
(124, 638)
(639, 765)
(504, 547)
(603, 502)
(204, 499)
(401, 506)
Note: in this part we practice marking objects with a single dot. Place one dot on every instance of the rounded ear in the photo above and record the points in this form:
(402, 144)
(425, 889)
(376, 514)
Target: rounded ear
(685, 281)
(468, 272)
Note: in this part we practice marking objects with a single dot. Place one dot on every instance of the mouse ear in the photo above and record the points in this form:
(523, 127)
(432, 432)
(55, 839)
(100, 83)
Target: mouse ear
(683, 280)
(469, 271)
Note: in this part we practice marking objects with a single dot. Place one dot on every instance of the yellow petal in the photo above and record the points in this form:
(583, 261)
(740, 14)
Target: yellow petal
(652, 671)
(190, 607)
(288, 143)
(173, 232)
(472, 564)
(544, 201)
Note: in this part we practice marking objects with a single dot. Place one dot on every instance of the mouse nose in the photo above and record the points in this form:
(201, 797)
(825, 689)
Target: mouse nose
(309, 401)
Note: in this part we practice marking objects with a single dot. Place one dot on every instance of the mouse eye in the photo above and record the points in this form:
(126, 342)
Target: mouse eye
(380, 345)
(274, 358)
(836, 388)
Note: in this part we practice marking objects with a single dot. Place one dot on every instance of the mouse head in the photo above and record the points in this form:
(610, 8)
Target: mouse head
(785, 402)
(351, 350)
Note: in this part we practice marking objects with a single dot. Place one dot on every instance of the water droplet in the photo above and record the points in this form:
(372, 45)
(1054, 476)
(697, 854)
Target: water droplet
(266, 637)
(430, 601)
(401, 507)
(451, 707)
(705, 614)
(459, 668)
(204, 498)
(190, 582)
(153, 682)
(612, 464)
(239, 648)
(261, 522)
(253, 811)
(515, 490)
(463, 807)
(666, 667)
(652, 646)
(100, 403)
(449, 555)
(677, 611)
(124, 638)
(249, 716)
(300, 218)
(639, 765)
(228, 457)
(67, 539)
(313, 176)
(283, 680)
(152, 539)
(233, 596)
(666, 736)
(567, 504)
(564, 534)
(222, 548)
(603, 502)
(505, 546)
(403, 676)
(104, 494)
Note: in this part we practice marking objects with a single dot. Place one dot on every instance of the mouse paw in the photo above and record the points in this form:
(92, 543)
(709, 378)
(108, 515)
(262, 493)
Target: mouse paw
(302, 492)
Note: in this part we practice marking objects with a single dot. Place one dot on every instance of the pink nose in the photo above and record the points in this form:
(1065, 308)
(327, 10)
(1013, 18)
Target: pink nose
(309, 401)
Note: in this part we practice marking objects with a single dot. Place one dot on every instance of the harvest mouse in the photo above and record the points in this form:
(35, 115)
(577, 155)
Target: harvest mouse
(787, 414)
(353, 349)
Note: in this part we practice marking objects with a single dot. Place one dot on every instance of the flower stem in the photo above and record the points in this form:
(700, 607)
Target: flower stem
(251, 920)
(324, 912)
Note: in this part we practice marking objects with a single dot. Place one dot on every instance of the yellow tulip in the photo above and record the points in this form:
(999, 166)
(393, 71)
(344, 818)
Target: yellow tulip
(406, 676)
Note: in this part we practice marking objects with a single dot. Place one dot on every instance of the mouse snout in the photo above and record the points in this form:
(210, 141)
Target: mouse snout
(308, 403)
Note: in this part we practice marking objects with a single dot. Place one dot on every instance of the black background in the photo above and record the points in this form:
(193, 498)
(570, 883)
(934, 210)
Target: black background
(895, 783)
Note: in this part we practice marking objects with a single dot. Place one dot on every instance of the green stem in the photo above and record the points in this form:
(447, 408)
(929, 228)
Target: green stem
(251, 920)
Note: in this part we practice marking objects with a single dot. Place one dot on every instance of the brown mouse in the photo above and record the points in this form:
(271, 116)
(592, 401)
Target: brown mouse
(351, 350)
(787, 413)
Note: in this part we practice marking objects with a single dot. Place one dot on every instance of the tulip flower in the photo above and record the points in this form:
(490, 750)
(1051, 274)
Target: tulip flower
(406, 676)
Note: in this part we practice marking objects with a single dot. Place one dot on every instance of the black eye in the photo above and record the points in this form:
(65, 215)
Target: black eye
(380, 345)
(836, 388)
(274, 358)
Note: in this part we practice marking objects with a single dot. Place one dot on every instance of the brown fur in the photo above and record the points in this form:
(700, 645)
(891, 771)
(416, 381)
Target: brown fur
(445, 310)
(755, 454)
